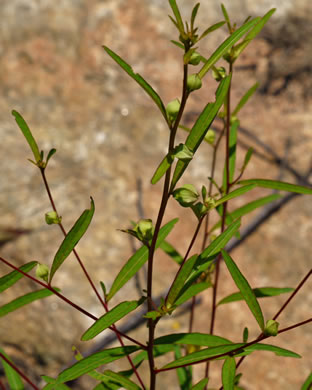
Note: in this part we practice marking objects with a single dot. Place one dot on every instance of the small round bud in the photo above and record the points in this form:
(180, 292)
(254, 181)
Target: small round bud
(144, 229)
(42, 272)
(195, 59)
(271, 328)
(210, 136)
(193, 82)
(52, 218)
(173, 109)
(186, 195)
(219, 73)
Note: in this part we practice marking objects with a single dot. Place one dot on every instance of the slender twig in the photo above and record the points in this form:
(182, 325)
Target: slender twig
(104, 304)
(163, 205)
(74, 305)
(2, 385)
(238, 349)
(15, 368)
(224, 210)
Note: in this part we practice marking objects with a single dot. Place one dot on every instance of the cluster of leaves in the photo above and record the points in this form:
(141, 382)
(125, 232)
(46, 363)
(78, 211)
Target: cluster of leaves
(193, 275)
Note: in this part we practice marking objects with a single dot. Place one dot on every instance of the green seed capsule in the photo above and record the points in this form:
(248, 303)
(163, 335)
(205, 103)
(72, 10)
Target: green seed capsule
(271, 328)
(42, 272)
(52, 218)
(193, 82)
(173, 109)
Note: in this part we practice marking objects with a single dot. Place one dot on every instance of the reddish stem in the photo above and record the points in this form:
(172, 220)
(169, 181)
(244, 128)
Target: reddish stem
(15, 368)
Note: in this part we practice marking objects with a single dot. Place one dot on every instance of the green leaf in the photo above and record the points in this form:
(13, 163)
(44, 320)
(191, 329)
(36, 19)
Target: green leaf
(211, 29)
(226, 17)
(121, 380)
(277, 185)
(254, 32)
(201, 127)
(202, 339)
(247, 208)
(137, 260)
(72, 238)
(193, 17)
(179, 281)
(203, 355)
(247, 159)
(260, 292)
(50, 154)
(14, 379)
(177, 15)
(177, 44)
(162, 168)
(11, 278)
(139, 79)
(308, 383)
(25, 300)
(245, 99)
(94, 361)
(110, 318)
(225, 46)
(244, 288)
(234, 194)
(201, 384)
(272, 348)
(27, 134)
(191, 291)
(171, 251)
(228, 373)
(184, 373)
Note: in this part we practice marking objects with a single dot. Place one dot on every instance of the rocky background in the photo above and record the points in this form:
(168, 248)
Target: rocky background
(108, 135)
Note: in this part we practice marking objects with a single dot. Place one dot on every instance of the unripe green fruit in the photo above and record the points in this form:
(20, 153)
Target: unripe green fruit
(195, 59)
(173, 109)
(271, 328)
(210, 136)
(219, 73)
(42, 272)
(193, 82)
(52, 218)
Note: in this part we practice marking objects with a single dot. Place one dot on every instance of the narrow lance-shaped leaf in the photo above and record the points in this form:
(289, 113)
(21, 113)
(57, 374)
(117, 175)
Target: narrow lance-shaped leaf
(201, 127)
(14, 379)
(207, 256)
(94, 361)
(228, 373)
(245, 99)
(121, 380)
(261, 292)
(27, 134)
(226, 17)
(139, 79)
(272, 348)
(245, 289)
(11, 278)
(201, 384)
(25, 300)
(137, 260)
(204, 354)
(254, 32)
(190, 291)
(201, 339)
(184, 373)
(307, 383)
(247, 208)
(247, 158)
(72, 238)
(234, 194)
(162, 168)
(193, 17)
(171, 251)
(177, 15)
(111, 317)
(179, 281)
(226, 45)
(277, 185)
(210, 30)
